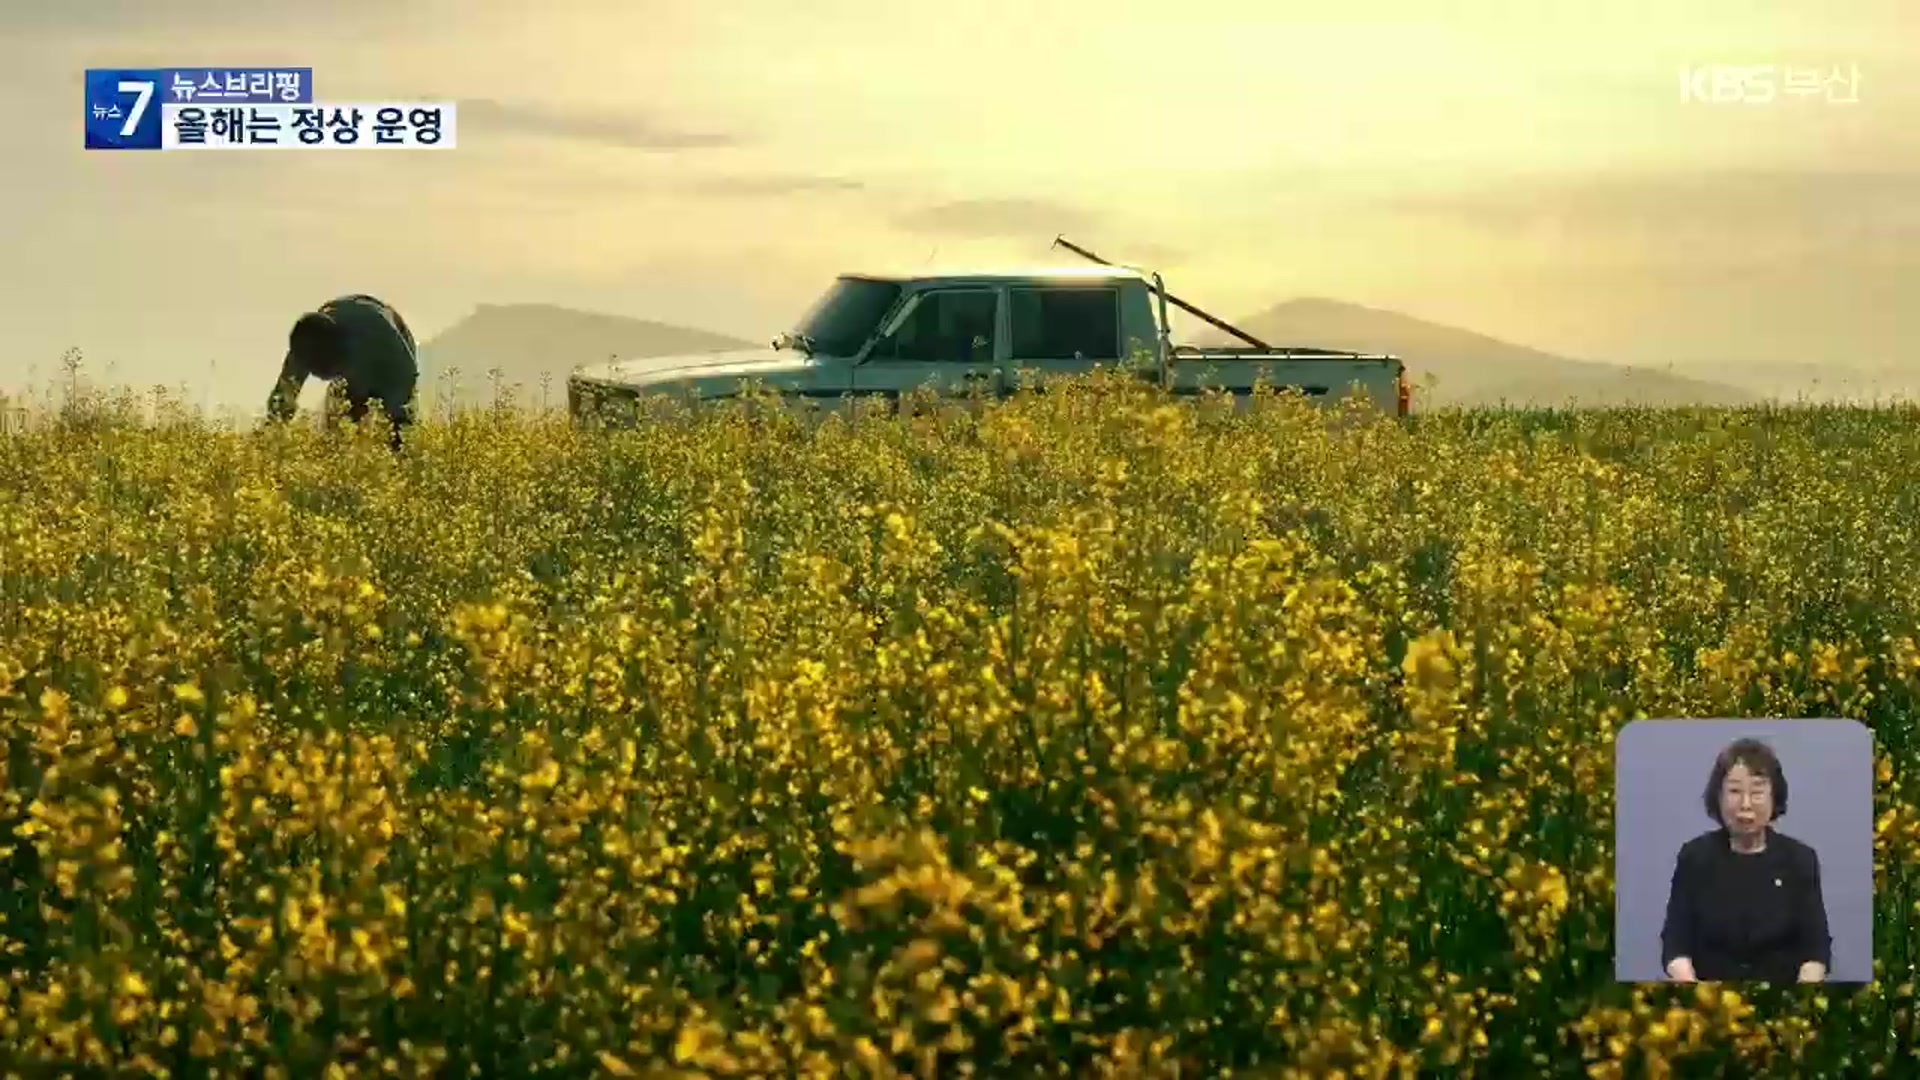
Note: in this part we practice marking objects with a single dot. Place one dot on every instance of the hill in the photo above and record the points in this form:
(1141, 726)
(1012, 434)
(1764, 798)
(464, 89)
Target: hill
(1858, 382)
(527, 342)
(1473, 369)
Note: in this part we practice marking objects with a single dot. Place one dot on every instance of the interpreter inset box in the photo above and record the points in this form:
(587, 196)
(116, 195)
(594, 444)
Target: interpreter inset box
(1743, 851)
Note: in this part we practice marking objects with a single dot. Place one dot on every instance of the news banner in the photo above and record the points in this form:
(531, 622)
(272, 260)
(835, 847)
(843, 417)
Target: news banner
(249, 109)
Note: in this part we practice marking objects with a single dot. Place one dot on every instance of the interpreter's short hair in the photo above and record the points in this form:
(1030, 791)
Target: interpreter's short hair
(316, 340)
(1759, 758)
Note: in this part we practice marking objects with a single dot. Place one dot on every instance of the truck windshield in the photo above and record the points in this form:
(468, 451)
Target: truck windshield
(842, 320)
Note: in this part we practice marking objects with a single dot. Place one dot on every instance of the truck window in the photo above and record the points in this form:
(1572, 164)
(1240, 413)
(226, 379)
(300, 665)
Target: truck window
(1062, 323)
(842, 319)
(949, 326)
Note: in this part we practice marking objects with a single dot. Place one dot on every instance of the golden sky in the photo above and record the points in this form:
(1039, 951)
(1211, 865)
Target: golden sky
(1523, 169)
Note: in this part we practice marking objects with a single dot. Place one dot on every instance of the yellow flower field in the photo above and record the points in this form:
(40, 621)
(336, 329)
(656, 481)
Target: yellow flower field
(1087, 735)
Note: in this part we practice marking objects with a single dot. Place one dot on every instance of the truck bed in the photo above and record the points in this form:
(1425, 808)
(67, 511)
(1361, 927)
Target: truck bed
(1327, 374)
(1248, 352)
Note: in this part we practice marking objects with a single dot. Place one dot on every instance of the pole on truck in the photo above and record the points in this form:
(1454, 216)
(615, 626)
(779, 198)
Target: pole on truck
(1219, 324)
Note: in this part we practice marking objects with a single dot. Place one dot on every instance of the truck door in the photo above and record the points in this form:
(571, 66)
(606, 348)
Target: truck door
(1059, 330)
(948, 341)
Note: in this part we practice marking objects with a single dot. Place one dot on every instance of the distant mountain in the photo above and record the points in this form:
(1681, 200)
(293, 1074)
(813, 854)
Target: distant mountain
(1836, 381)
(529, 341)
(1473, 369)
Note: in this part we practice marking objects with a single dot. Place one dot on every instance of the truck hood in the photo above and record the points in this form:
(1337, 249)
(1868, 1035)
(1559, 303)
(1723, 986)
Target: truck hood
(649, 371)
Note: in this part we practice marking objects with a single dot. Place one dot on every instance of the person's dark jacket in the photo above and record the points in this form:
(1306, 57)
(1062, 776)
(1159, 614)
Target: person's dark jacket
(1741, 916)
(377, 362)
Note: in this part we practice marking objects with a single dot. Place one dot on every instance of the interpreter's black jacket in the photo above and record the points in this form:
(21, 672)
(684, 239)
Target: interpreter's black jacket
(1741, 916)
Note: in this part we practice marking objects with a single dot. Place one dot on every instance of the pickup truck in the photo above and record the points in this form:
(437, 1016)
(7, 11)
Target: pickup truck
(982, 333)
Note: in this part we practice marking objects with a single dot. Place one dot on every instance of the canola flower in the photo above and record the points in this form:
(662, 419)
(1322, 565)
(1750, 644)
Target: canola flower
(1091, 734)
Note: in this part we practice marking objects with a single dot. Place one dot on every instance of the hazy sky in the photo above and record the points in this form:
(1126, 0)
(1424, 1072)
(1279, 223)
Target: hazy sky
(1523, 168)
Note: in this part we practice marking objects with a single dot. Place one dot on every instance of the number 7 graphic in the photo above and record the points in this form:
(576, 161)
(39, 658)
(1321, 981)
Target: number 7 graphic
(124, 109)
(143, 95)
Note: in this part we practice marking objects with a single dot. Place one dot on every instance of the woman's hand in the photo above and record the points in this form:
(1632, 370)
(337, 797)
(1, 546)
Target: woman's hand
(1681, 970)
(1813, 971)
